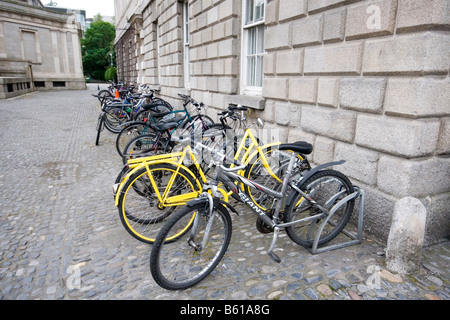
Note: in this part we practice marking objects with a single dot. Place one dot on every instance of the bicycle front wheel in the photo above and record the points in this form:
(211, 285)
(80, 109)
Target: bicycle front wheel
(140, 207)
(182, 264)
(325, 187)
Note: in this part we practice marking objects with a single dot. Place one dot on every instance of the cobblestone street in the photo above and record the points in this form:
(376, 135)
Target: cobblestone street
(61, 236)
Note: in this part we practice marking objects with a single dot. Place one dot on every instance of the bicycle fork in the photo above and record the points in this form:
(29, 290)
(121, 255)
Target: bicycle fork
(191, 241)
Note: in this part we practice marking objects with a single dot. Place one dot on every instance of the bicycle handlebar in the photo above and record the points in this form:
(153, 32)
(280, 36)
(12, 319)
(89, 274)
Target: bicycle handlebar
(231, 108)
(188, 100)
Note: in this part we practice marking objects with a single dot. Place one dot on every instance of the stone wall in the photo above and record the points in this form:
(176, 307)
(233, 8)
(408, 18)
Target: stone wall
(364, 81)
(38, 49)
(375, 93)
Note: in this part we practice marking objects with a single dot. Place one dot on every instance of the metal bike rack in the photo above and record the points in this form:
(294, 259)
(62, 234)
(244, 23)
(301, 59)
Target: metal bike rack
(354, 239)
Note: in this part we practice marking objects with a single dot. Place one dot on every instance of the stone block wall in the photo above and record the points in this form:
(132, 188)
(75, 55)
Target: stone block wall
(39, 49)
(362, 80)
(369, 81)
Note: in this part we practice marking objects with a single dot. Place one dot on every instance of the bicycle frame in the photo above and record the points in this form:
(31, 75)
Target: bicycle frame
(255, 144)
(228, 177)
(139, 162)
(177, 159)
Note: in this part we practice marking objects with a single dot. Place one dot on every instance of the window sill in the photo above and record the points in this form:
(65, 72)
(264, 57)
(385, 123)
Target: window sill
(254, 102)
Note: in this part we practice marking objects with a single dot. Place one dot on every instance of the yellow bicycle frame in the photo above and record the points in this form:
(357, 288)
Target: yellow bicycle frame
(177, 159)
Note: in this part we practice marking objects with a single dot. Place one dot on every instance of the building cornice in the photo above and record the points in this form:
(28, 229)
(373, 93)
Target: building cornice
(34, 12)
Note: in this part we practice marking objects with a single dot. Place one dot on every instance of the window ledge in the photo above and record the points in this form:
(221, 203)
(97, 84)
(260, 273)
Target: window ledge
(253, 102)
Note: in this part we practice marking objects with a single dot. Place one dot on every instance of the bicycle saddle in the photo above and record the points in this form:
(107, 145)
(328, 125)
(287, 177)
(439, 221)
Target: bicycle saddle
(164, 126)
(153, 106)
(298, 146)
(160, 114)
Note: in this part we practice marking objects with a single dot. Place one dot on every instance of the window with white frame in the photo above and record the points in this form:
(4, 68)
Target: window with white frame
(186, 43)
(253, 46)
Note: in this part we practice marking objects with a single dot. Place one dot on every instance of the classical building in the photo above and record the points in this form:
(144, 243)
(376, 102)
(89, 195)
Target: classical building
(366, 81)
(39, 49)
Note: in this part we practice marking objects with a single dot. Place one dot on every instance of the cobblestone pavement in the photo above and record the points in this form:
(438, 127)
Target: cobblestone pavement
(61, 237)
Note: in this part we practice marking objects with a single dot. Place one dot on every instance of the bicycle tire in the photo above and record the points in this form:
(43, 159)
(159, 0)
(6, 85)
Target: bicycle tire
(100, 124)
(160, 105)
(115, 117)
(103, 95)
(144, 145)
(321, 186)
(166, 258)
(130, 131)
(139, 209)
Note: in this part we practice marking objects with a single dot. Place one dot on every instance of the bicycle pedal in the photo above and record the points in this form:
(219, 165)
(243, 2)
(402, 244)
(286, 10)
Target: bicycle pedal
(274, 256)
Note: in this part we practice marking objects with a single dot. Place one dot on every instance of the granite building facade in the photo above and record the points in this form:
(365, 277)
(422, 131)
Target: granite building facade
(39, 49)
(362, 80)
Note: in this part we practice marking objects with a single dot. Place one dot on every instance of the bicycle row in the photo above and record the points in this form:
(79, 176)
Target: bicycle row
(183, 174)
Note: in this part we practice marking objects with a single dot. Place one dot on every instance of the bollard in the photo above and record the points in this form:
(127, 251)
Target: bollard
(406, 236)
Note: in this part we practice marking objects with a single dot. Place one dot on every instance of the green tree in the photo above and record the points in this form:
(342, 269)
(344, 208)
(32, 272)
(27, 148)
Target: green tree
(97, 45)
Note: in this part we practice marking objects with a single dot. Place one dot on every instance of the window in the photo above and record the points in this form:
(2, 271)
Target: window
(30, 46)
(39, 84)
(57, 84)
(253, 46)
(186, 44)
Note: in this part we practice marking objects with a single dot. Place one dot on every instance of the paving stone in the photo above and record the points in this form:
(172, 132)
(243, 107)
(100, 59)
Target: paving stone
(324, 289)
(311, 293)
(64, 216)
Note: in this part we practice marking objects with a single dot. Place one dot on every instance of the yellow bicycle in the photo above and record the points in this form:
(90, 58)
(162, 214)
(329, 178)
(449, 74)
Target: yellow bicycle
(154, 186)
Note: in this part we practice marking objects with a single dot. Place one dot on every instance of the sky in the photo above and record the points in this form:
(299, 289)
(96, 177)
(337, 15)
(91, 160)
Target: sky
(92, 7)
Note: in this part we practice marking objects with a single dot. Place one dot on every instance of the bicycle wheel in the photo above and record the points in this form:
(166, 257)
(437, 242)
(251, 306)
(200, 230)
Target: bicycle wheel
(278, 162)
(140, 210)
(130, 131)
(103, 95)
(144, 145)
(158, 107)
(100, 124)
(181, 264)
(321, 187)
(115, 117)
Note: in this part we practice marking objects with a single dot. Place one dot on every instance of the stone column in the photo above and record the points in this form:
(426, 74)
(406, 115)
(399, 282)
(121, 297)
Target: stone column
(404, 247)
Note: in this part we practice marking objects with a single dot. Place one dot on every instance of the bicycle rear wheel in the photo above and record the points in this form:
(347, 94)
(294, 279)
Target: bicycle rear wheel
(182, 264)
(144, 145)
(140, 209)
(129, 132)
(159, 106)
(322, 186)
(115, 117)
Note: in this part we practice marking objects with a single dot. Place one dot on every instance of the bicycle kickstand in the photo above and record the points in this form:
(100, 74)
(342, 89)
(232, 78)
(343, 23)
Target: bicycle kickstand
(272, 254)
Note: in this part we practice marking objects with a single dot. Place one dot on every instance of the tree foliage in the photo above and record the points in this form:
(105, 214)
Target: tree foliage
(111, 73)
(97, 45)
